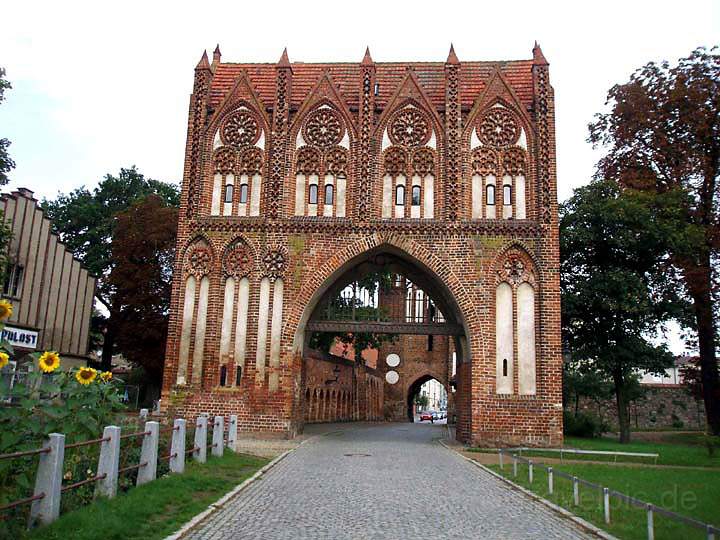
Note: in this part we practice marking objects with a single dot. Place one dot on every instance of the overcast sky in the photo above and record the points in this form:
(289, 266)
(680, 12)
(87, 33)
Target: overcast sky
(103, 85)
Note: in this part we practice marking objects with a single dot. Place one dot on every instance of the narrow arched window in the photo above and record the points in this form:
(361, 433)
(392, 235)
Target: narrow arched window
(507, 195)
(228, 193)
(490, 194)
(400, 195)
(415, 196)
(243, 193)
(329, 191)
(313, 195)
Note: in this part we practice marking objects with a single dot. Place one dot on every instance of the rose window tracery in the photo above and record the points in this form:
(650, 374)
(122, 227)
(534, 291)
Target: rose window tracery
(498, 127)
(324, 128)
(515, 269)
(423, 162)
(237, 262)
(199, 261)
(513, 161)
(395, 161)
(485, 162)
(336, 162)
(225, 160)
(308, 161)
(409, 127)
(240, 129)
(251, 161)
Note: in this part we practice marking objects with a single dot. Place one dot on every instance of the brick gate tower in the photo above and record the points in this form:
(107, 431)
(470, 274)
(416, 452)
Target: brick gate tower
(299, 176)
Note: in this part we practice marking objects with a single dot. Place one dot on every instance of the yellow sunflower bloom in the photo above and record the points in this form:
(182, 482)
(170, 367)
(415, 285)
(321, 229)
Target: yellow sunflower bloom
(6, 309)
(49, 361)
(4, 359)
(86, 375)
(106, 376)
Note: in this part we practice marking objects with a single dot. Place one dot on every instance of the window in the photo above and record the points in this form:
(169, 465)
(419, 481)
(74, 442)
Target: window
(313, 195)
(504, 367)
(400, 195)
(430, 342)
(415, 196)
(238, 375)
(507, 195)
(243, 193)
(223, 375)
(229, 193)
(13, 281)
(328, 193)
(490, 194)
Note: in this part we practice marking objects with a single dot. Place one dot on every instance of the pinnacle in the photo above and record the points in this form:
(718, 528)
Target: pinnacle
(538, 56)
(452, 57)
(284, 60)
(203, 63)
(367, 59)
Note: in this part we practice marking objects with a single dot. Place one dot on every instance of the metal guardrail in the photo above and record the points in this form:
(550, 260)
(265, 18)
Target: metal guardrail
(650, 509)
(577, 451)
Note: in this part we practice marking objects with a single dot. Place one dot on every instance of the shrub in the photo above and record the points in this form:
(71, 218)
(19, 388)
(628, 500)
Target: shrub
(582, 425)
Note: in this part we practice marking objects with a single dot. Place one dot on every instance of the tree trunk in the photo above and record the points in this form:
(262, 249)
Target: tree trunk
(622, 407)
(700, 290)
(108, 344)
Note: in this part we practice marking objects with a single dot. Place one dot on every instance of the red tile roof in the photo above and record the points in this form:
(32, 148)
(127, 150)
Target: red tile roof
(346, 76)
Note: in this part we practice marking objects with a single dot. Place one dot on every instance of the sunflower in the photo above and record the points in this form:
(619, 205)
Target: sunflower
(4, 358)
(86, 375)
(49, 361)
(6, 309)
(106, 376)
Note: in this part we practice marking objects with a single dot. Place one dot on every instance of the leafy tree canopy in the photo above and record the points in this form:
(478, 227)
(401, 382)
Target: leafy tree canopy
(617, 286)
(6, 162)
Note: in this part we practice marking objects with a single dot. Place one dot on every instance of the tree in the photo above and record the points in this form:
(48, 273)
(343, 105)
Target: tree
(615, 286)
(662, 135)
(6, 163)
(143, 249)
(85, 221)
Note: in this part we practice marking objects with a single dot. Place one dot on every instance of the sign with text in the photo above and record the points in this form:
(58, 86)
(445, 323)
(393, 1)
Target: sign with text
(19, 337)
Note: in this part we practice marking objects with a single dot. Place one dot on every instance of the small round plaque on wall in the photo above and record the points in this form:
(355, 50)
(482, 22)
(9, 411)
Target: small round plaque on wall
(392, 377)
(392, 360)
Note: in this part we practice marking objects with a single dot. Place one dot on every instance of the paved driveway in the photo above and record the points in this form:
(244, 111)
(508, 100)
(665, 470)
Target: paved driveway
(389, 481)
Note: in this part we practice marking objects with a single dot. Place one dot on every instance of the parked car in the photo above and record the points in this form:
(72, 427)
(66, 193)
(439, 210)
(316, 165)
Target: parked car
(426, 415)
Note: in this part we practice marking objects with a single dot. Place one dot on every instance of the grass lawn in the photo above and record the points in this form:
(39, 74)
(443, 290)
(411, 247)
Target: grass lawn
(157, 509)
(685, 449)
(692, 493)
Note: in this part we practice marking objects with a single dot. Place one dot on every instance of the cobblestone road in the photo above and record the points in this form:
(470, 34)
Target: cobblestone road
(391, 481)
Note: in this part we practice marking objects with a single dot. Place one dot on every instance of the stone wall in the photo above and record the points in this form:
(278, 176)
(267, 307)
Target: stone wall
(662, 407)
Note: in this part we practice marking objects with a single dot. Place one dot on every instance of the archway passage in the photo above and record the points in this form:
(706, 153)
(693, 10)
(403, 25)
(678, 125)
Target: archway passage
(379, 323)
(427, 394)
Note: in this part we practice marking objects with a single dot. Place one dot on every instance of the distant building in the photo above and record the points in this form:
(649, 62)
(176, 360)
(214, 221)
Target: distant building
(671, 376)
(51, 293)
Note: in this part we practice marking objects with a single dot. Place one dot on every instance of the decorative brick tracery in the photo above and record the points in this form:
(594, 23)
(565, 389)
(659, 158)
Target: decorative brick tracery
(442, 126)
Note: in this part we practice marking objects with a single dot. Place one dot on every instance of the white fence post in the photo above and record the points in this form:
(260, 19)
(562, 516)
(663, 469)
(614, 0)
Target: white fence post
(200, 453)
(606, 504)
(650, 523)
(48, 481)
(108, 463)
(149, 453)
(232, 433)
(217, 436)
(576, 491)
(550, 480)
(530, 471)
(177, 446)
(500, 457)
(710, 532)
(144, 413)
(514, 466)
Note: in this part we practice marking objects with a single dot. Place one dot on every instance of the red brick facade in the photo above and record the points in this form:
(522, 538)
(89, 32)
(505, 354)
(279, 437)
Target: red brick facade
(269, 129)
